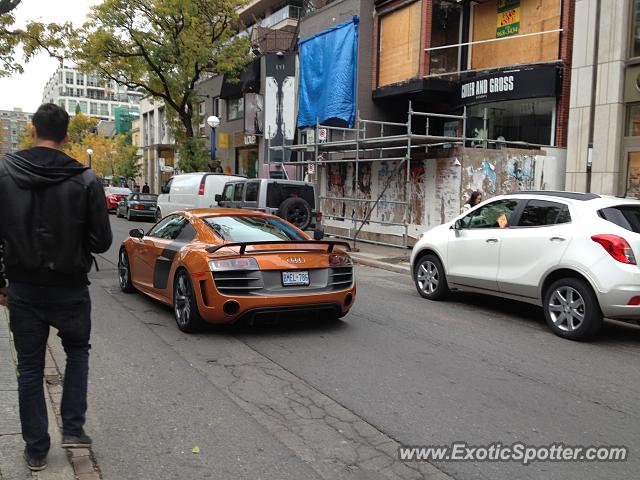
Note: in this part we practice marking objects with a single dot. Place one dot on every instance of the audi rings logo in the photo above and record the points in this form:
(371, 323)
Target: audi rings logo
(296, 260)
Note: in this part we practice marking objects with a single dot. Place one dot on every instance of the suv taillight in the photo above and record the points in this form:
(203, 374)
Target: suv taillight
(617, 247)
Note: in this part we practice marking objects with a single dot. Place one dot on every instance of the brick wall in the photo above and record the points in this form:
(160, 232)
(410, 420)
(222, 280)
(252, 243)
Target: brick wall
(566, 49)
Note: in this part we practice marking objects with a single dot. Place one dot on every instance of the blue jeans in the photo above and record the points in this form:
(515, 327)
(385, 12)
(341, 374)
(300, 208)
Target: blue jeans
(32, 310)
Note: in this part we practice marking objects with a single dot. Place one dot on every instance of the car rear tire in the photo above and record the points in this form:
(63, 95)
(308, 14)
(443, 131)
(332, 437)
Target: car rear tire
(158, 215)
(430, 279)
(185, 305)
(297, 211)
(124, 272)
(129, 214)
(572, 310)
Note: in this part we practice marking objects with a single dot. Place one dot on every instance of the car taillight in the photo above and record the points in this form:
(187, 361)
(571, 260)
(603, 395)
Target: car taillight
(340, 260)
(138, 207)
(226, 265)
(635, 301)
(617, 247)
(201, 189)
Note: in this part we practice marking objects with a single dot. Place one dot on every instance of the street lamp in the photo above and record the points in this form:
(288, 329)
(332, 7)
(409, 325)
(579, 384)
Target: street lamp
(213, 122)
(89, 152)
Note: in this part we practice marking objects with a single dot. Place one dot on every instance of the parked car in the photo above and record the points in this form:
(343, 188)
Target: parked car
(114, 195)
(191, 190)
(137, 205)
(573, 254)
(222, 266)
(292, 200)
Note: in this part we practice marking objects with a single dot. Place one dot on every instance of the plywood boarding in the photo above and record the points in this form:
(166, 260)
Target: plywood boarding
(535, 16)
(400, 44)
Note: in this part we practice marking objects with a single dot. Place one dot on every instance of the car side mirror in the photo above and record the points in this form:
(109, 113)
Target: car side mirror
(164, 189)
(218, 198)
(318, 235)
(457, 225)
(136, 233)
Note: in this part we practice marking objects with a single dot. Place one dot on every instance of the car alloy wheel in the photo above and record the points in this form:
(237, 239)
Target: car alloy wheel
(124, 272)
(428, 277)
(571, 309)
(567, 308)
(184, 304)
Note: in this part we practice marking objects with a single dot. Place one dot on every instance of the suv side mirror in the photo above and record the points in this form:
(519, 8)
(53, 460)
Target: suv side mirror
(218, 198)
(318, 235)
(164, 189)
(136, 233)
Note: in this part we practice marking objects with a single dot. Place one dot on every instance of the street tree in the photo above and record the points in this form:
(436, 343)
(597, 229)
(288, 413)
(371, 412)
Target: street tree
(162, 48)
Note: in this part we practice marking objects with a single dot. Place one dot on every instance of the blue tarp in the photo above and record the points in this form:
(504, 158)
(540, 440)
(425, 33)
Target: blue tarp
(328, 63)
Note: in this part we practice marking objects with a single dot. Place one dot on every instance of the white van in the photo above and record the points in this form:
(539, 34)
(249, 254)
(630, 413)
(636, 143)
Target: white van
(191, 190)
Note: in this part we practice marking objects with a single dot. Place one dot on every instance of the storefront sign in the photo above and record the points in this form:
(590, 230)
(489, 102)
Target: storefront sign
(250, 140)
(532, 82)
(508, 18)
(223, 140)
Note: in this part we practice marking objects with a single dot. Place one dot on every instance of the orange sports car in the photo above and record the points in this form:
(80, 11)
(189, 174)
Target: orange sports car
(223, 265)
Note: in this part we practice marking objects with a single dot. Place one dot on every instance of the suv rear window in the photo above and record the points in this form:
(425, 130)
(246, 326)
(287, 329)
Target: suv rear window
(539, 213)
(279, 192)
(625, 216)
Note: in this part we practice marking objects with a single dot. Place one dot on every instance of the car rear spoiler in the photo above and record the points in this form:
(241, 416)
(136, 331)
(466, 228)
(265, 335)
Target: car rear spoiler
(243, 246)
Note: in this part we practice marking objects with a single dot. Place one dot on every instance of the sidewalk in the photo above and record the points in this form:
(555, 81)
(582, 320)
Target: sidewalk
(12, 464)
(394, 259)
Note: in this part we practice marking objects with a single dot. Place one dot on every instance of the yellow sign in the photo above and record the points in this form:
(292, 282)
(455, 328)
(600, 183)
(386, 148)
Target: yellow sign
(223, 140)
(508, 21)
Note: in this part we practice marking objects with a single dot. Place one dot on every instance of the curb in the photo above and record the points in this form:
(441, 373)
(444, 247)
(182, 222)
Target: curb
(81, 460)
(381, 265)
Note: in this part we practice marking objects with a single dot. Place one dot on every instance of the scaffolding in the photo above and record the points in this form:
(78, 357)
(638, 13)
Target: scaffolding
(368, 141)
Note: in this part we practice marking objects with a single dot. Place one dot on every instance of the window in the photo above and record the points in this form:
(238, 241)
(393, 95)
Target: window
(635, 30)
(93, 108)
(80, 92)
(227, 193)
(69, 78)
(493, 215)
(79, 79)
(83, 107)
(633, 120)
(169, 228)
(252, 229)
(104, 109)
(625, 216)
(251, 194)
(72, 106)
(445, 30)
(539, 213)
(235, 108)
(237, 193)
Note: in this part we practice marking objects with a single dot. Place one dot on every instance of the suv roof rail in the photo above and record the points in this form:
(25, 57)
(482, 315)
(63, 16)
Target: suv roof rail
(556, 193)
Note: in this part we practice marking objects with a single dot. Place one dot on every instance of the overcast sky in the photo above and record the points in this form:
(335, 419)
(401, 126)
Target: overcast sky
(25, 90)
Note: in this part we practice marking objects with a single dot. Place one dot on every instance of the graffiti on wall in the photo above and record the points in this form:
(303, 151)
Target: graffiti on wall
(417, 203)
(447, 189)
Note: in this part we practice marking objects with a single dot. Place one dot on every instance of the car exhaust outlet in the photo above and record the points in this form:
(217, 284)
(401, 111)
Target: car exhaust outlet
(348, 299)
(231, 307)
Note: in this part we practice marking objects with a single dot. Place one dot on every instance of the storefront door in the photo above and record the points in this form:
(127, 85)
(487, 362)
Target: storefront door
(247, 162)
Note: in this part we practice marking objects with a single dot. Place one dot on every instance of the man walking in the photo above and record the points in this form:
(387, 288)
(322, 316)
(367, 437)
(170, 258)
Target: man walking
(53, 217)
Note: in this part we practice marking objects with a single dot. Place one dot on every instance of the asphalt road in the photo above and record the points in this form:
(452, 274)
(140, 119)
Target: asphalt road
(404, 370)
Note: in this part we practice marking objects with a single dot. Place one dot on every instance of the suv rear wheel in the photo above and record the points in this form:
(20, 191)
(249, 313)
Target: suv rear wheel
(297, 211)
(572, 310)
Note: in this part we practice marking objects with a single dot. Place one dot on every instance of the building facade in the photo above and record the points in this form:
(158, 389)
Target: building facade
(157, 144)
(12, 126)
(603, 154)
(88, 94)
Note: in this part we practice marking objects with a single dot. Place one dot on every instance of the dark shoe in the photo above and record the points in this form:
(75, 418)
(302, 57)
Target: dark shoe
(76, 441)
(35, 464)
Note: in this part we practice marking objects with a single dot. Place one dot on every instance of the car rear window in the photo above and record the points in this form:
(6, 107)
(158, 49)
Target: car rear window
(279, 192)
(625, 216)
(147, 198)
(119, 191)
(247, 228)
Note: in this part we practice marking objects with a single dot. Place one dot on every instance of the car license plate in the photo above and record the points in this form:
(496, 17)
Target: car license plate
(295, 278)
(153, 209)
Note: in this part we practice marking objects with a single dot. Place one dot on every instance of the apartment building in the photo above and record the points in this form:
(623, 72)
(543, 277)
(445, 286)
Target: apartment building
(12, 127)
(76, 91)
(157, 144)
(603, 154)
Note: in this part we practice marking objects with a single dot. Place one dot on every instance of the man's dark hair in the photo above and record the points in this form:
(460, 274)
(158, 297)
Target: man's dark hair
(51, 122)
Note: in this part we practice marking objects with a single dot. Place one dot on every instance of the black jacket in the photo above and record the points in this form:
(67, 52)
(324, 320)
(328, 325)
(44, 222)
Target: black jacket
(53, 216)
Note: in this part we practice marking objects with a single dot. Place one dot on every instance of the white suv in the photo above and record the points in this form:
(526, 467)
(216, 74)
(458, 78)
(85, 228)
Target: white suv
(574, 254)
